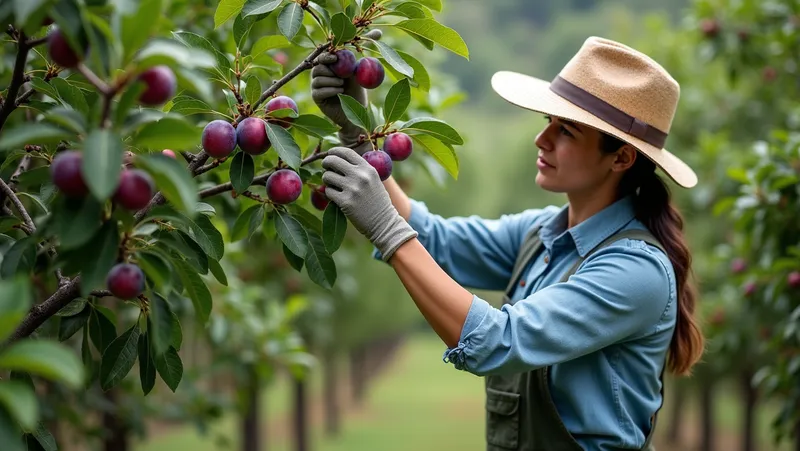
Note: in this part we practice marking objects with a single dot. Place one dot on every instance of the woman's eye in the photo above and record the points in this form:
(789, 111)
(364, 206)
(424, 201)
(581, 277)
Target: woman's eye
(565, 131)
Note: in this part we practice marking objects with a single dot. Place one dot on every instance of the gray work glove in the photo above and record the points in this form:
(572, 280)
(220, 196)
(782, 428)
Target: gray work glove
(356, 188)
(325, 87)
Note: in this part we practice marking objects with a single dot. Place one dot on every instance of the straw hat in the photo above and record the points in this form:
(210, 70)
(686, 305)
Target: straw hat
(611, 87)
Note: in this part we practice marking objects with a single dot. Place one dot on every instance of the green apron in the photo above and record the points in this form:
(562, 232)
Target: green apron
(520, 413)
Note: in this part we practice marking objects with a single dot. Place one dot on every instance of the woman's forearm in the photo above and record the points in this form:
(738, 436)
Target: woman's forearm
(399, 198)
(443, 302)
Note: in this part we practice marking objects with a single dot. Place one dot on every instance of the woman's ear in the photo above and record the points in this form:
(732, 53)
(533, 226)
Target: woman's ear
(624, 158)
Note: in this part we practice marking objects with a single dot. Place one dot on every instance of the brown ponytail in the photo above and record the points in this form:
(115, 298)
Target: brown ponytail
(655, 210)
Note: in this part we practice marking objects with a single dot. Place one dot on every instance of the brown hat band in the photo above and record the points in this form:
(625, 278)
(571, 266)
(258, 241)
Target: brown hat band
(608, 112)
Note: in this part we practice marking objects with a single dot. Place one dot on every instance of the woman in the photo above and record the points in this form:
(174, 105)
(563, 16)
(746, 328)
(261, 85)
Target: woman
(599, 299)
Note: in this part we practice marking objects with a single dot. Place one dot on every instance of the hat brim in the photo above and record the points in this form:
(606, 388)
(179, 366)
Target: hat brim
(534, 94)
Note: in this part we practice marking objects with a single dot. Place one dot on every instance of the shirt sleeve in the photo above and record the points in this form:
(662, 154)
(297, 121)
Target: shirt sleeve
(476, 252)
(618, 292)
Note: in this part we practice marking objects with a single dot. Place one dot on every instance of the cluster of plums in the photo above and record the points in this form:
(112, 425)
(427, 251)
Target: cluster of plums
(368, 71)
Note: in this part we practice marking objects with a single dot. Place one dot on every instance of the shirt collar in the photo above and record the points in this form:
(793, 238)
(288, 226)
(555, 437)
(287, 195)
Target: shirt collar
(593, 230)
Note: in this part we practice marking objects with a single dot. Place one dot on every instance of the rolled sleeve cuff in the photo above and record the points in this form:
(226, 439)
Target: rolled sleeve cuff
(416, 219)
(468, 352)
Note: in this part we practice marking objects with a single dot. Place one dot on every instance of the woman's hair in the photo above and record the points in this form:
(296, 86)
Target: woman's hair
(655, 210)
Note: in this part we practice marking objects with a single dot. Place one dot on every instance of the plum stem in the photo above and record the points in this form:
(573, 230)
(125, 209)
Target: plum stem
(95, 80)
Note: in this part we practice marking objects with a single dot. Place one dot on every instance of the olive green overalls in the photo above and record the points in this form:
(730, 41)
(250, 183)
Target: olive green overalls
(520, 414)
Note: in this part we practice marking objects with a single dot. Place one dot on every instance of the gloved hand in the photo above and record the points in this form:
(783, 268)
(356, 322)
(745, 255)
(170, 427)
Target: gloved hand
(325, 87)
(354, 185)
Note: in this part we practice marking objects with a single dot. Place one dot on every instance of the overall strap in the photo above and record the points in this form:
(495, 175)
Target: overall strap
(530, 246)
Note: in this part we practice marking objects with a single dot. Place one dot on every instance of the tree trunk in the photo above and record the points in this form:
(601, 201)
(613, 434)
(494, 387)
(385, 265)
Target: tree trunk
(358, 378)
(115, 429)
(251, 416)
(300, 415)
(677, 414)
(750, 396)
(331, 395)
(707, 414)
(797, 436)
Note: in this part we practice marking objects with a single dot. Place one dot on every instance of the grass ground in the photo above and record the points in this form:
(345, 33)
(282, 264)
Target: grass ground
(422, 404)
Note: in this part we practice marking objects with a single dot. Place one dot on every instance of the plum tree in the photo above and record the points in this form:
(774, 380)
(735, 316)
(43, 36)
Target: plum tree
(67, 174)
(251, 136)
(160, 85)
(398, 145)
(381, 161)
(219, 138)
(369, 72)
(284, 186)
(125, 281)
(135, 189)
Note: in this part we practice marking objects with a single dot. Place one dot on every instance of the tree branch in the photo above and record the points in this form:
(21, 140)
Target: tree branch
(26, 218)
(306, 64)
(17, 79)
(41, 312)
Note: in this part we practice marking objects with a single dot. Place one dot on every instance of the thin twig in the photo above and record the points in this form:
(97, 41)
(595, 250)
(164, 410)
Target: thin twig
(31, 43)
(95, 80)
(26, 218)
(209, 166)
(306, 64)
(23, 166)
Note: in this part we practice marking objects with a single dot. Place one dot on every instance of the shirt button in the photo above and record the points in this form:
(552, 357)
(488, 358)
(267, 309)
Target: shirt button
(547, 259)
(522, 283)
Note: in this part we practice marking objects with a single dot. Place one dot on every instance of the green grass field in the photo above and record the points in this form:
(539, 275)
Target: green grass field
(418, 403)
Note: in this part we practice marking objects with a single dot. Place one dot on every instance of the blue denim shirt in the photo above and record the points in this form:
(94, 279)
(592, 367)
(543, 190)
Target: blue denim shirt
(605, 332)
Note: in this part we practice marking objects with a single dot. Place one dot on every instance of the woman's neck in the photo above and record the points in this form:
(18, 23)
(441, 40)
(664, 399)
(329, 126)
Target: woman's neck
(583, 206)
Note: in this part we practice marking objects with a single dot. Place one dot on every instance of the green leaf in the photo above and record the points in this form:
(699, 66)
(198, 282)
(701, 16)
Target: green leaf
(45, 439)
(177, 334)
(319, 264)
(242, 171)
(342, 28)
(196, 41)
(240, 227)
(173, 54)
(253, 90)
(8, 223)
(147, 365)
(217, 271)
(187, 106)
(334, 227)
(291, 233)
(186, 247)
(44, 358)
(103, 247)
(73, 308)
(71, 95)
(314, 125)
(102, 158)
(170, 132)
(413, 10)
(270, 42)
(77, 220)
(161, 321)
(397, 100)
(355, 112)
(435, 5)
(21, 403)
(15, 300)
(436, 32)
(284, 144)
(254, 7)
(156, 268)
(394, 59)
(119, 357)
(173, 179)
(19, 259)
(38, 133)
(290, 20)
(322, 13)
(44, 87)
(101, 329)
(443, 154)
(307, 219)
(227, 10)
(433, 127)
(23, 10)
(195, 288)
(170, 368)
(9, 431)
(241, 29)
(67, 118)
(68, 325)
(138, 27)
(207, 236)
(295, 261)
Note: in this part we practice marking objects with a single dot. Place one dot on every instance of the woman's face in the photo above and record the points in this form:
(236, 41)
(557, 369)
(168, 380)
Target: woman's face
(570, 160)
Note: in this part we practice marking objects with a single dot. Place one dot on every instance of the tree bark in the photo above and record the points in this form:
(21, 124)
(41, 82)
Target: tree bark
(116, 431)
(707, 414)
(331, 394)
(251, 419)
(750, 397)
(358, 377)
(677, 414)
(300, 415)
